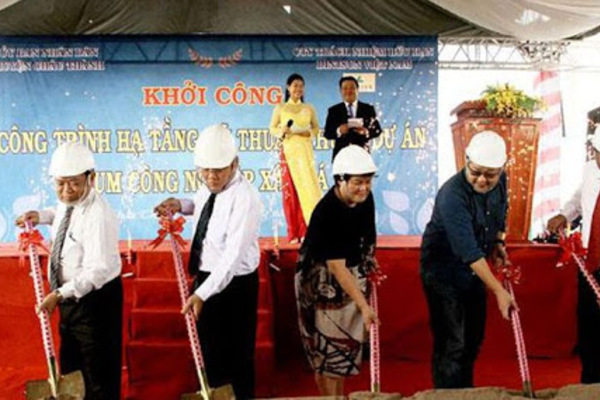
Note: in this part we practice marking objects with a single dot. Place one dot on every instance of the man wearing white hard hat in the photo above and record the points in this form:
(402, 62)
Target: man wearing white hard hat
(331, 280)
(466, 227)
(223, 259)
(84, 273)
(585, 203)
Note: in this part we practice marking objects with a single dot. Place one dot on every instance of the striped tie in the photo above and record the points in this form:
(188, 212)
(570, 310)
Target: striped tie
(59, 241)
(350, 111)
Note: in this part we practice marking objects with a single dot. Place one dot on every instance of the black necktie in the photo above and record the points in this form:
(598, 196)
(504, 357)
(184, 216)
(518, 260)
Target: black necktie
(201, 228)
(57, 246)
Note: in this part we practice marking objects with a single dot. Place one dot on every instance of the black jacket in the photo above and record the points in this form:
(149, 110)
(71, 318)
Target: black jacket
(338, 115)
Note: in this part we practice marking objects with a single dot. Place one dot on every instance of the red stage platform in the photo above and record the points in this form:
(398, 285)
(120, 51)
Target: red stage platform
(158, 364)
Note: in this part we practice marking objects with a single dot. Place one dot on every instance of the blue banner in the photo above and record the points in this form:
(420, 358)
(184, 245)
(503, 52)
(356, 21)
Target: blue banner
(140, 102)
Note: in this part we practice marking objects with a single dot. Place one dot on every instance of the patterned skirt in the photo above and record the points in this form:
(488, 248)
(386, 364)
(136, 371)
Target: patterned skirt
(331, 326)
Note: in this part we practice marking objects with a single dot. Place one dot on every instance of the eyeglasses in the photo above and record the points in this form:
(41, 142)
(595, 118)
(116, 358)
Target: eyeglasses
(216, 171)
(73, 183)
(489, 175)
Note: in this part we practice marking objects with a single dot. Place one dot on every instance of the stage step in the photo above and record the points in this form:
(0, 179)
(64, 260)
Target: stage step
(169, 324)
(264, 367)
(155, 293)
(170, 389)
(156, 264)
(158, 353)
(154, 360)
(170, 364)
(157, 324)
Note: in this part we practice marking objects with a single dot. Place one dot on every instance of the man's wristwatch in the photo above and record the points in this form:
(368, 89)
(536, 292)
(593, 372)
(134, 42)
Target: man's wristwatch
(58, 295)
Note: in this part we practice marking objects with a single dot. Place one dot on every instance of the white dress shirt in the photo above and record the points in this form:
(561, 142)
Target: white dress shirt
(90, 254)
(583, 201)
(354, 110)
(230, 247)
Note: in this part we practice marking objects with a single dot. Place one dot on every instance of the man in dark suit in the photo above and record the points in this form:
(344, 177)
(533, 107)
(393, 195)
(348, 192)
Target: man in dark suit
(351, 122)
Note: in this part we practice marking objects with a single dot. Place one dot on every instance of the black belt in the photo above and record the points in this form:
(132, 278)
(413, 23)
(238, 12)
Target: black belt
(111, 285)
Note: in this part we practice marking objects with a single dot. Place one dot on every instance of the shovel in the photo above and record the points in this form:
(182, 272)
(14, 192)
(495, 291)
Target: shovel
(206, 392)
(520, 344)
(375, 277)
(573, 247)
(70, 386)
(375, 363)
(509, 274)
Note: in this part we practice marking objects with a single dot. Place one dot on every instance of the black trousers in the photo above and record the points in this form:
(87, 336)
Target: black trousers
(91, 337)
(457, 320)
(227, 331)
(588, 327)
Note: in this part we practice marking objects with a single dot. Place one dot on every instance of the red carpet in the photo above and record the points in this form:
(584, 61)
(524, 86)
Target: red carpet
(158, 363)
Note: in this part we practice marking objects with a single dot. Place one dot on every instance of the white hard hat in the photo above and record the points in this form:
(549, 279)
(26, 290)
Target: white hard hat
(71, 159)
(595, 140)
(487, 149)
(215, 147)
(353, 160)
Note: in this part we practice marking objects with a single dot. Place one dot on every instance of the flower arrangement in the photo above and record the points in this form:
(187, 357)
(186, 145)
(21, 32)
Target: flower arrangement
(509, 102)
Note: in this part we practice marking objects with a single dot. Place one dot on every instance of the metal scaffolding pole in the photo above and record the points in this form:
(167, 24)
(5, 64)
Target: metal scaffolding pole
(515, 54)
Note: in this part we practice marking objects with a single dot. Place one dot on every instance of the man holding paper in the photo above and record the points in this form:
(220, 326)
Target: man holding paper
(351, 121)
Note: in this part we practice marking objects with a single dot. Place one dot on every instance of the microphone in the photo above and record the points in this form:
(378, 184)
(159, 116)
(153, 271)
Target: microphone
(289, 125)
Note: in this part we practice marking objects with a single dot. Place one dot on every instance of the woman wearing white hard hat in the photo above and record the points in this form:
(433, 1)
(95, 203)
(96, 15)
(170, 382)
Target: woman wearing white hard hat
(466, 227)
(223, 260)
(84, 273)
(331, 281)
(295, 124)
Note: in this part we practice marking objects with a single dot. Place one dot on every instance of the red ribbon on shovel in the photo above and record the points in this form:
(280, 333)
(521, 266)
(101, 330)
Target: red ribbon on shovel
(573, 250)
(31, 237)
(27, 238)
(171, 227)
(510, 275)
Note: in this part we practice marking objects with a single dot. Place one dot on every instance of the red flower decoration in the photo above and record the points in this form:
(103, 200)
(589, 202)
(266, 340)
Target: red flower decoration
(376, 275)
(570, 246)
(510, 273)
(172, 227)
(32, 237)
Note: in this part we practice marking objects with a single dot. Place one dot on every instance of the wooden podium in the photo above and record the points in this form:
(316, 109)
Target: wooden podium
(521, 136)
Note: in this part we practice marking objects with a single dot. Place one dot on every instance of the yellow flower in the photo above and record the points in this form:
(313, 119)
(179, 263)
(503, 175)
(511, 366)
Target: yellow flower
(507, 101)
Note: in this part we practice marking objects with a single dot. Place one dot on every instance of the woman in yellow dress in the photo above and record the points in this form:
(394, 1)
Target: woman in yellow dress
(295, 124)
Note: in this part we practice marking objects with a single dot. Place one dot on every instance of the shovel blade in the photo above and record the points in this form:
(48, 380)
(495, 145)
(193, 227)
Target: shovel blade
(38, 390)
(71, 386)
(192, 396)
(224, 392)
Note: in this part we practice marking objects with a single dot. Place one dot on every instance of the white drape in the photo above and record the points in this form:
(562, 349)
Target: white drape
(543, 20)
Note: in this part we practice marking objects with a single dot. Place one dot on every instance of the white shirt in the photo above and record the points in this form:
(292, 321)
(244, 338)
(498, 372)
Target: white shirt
(354, 110)
(90, 253)
(583, 201)
(230, 247)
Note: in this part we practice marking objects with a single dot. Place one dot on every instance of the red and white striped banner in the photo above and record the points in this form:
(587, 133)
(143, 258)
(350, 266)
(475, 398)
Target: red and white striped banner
(546, 197)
